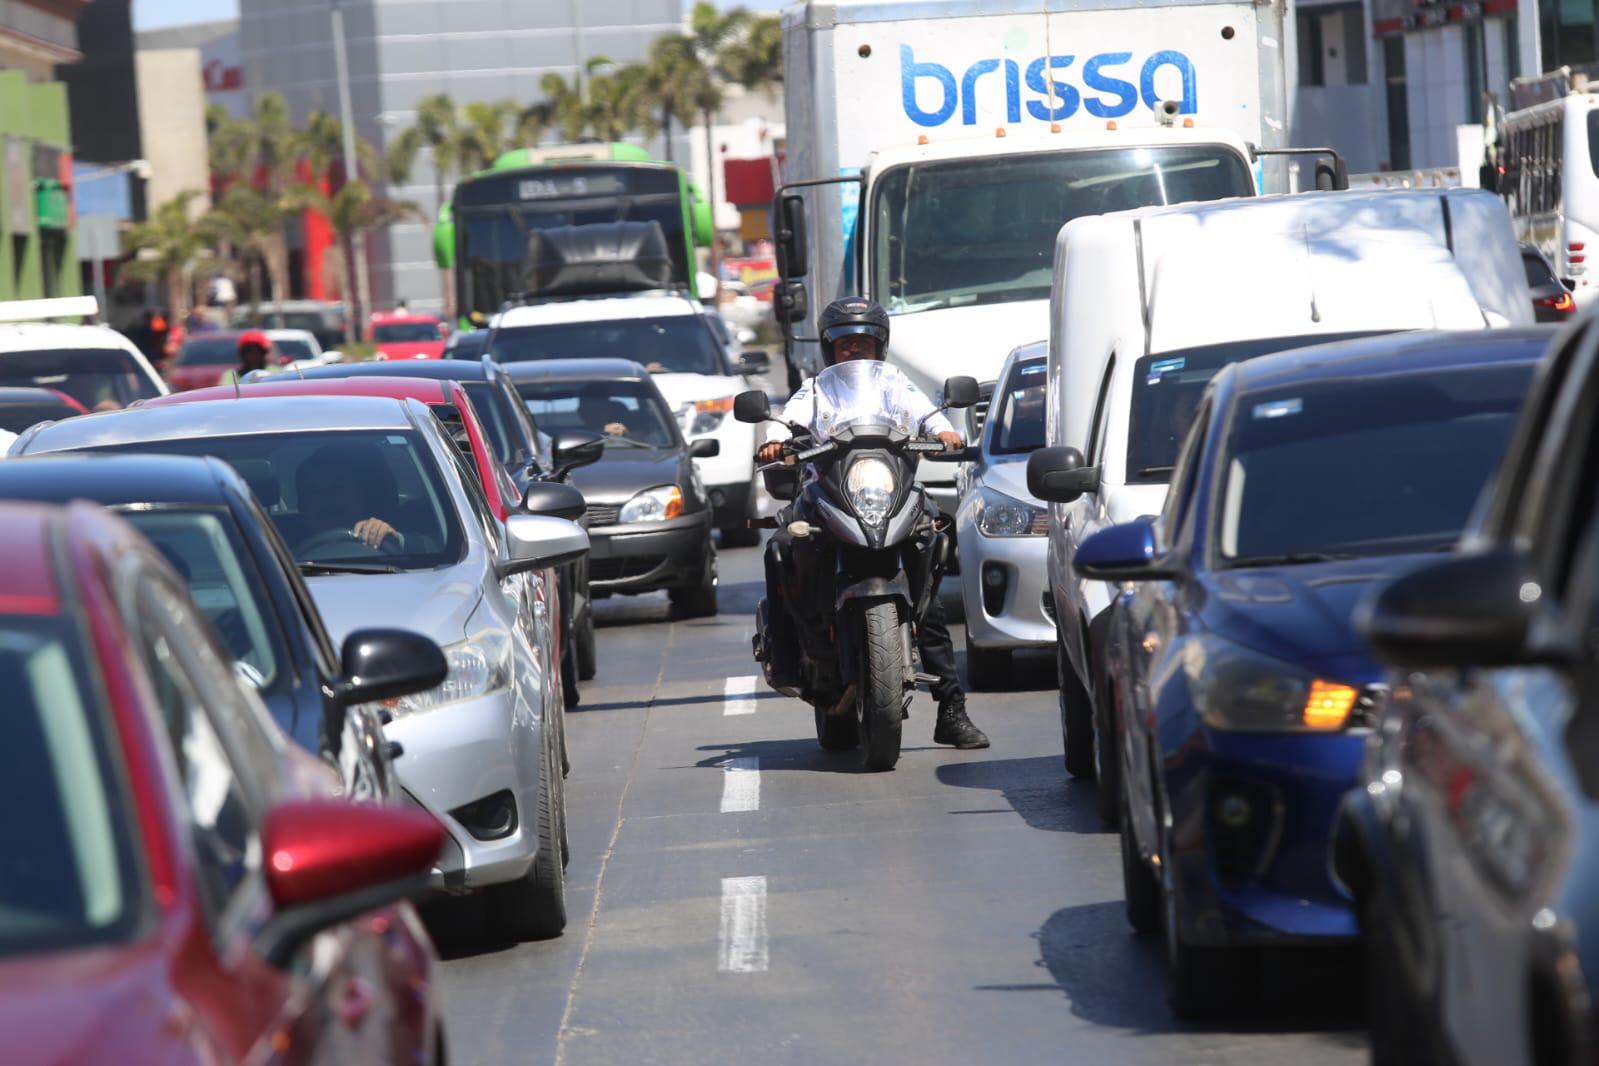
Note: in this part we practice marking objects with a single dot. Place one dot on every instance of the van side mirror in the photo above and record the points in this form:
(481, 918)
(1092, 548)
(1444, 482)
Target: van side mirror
(792, 249)
(1057, 475)
(752, 406)
(961, 392)
(790, 303)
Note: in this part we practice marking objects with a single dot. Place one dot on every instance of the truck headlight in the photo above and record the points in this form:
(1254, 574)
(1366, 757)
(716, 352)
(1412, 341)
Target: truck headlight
(479, 665)
(870, 485)
(999, 515)
(653, 505)
(706, 416)
(1237, 689)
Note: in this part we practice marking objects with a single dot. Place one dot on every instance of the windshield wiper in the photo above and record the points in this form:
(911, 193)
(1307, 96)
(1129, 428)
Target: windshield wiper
(1289, 559)
(1155, 471)
(320, 569)
(629, 441)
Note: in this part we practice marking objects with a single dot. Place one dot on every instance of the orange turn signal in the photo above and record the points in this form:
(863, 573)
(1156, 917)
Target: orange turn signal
(722, 406)
(1328, 705)
(674, 502)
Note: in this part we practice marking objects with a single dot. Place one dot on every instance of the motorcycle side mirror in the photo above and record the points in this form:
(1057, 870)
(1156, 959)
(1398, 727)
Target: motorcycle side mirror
(752, 407)
(961, 392)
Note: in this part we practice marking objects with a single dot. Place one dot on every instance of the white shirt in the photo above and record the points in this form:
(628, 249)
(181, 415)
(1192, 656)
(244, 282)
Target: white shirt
(801, 408)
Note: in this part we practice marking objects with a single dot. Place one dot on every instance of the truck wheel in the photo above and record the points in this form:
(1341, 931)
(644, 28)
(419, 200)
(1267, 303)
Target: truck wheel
(533, 907)
(699, 599)
(986, 668)
(1076, 716)
(588, 662)
(881, 691)
(837, 732)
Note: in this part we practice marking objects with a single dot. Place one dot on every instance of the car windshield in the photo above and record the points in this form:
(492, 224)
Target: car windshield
(391, 332)
(209, 351)
(675, 344)
(627, 412)
(99, 378)
(469, 345)
(1368, 466)
(1166, 391)
(209, 555)
(70, 873)
(293, 348)
(331, 492)
(1539, 273)
(16, 417)
(1017, 411)
(968, 231)
(485, 399)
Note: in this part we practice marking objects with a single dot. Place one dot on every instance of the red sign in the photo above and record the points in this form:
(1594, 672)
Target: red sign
(222, 79)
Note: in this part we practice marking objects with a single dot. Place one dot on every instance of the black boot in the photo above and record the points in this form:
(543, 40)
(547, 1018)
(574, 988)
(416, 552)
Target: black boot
(955, 728)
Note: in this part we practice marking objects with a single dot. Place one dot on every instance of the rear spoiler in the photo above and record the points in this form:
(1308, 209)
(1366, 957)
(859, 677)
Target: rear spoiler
(45, 310)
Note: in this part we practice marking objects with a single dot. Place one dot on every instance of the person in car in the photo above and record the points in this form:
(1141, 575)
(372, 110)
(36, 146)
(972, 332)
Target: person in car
(341, 488)
(254, 348)
(857, 328)
(610, 415)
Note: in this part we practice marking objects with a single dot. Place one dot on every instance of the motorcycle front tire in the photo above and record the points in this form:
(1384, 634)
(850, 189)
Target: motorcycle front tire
(881, 691)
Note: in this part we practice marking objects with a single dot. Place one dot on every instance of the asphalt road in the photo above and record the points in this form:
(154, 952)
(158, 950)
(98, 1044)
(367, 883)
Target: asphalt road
(738, 895)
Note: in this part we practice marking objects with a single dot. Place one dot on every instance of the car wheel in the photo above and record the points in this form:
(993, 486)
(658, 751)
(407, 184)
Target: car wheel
(1395, 1026)
(533, 907)
(699, 599)
(1076, 716)
(1107, 747)
(588, 662)
(569, 671)
(986, 668)
(1198, 980)
(1139, 884)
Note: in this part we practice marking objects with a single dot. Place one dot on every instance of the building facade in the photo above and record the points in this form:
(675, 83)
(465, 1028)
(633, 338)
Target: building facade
(471, 50)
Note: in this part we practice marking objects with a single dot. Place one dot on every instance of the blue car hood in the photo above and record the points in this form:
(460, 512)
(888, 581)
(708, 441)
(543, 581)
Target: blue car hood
(1302, 614)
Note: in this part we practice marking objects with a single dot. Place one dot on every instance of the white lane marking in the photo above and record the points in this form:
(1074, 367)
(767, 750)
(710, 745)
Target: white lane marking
(741, 785)
(738, 696)
(743, 939)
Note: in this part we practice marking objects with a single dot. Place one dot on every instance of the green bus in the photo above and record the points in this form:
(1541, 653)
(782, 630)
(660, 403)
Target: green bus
(482, 234)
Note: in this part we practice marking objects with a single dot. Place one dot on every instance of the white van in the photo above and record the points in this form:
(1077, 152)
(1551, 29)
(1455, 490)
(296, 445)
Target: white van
(1148, 304)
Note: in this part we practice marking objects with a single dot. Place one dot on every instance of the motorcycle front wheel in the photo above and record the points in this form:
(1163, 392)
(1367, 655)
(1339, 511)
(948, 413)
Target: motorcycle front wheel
(881, 691)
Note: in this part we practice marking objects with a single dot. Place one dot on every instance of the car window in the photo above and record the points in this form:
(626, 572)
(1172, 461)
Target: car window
(1539, 272)
(293, 349)
(628, 413)
(671, 344)
(310, 616)
(1017, 410)
(69, 871)
(1515, 510)
(406, 332)
(1185, 476)
(492, 418)
(477, 499)
(1359, 467)
(98, 378)
(1097, 423)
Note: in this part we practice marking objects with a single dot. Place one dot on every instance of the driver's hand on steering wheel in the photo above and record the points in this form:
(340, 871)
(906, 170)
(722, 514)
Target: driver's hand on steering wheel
(770, 451)
(373, 531)
(952, 441)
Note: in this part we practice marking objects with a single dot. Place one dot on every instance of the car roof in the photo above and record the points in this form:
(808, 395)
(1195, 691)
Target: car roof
(217, 418)
(392, 388)
(26, 567)
(599, 309)
(1393, 353)
(34, 336)
(116, 480)
(436, 369)
(575, 370)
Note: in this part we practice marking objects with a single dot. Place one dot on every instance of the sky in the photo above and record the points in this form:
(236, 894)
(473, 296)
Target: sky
(153, 14)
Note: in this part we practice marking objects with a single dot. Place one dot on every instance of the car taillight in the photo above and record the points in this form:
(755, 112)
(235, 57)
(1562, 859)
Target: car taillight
(1562, 303)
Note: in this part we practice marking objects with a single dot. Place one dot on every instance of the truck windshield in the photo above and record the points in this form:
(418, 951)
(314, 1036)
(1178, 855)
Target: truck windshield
(970, 231)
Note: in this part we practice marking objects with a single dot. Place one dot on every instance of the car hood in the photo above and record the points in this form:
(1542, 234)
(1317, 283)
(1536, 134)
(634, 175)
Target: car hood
(686, 388)
(1009, 475)
(1303, 614)
(434, 603)
(626, 471)
(91, 1005)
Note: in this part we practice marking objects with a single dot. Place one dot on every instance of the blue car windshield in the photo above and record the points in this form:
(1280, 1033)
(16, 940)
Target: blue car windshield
(1374, 466)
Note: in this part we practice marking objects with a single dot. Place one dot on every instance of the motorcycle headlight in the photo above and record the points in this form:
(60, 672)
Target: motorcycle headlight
(870, 485)
(478, 665)
(1237, 689)
(653, 505)
(999, 515)
(705, 416)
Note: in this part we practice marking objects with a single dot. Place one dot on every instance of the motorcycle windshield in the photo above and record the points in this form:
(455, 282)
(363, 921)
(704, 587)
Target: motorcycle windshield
(862, 392)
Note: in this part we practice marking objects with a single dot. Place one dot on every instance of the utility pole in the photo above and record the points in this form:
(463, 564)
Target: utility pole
(363, 283)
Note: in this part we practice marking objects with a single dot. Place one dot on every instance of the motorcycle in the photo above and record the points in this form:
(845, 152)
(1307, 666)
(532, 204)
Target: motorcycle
(858, 558)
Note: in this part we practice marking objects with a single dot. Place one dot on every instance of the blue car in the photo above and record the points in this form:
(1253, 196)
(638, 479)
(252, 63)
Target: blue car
(1243, 695)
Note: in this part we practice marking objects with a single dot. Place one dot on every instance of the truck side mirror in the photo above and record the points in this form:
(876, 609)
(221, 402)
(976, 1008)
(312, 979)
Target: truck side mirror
(790, 303)
(792, 251)
(1332, 175)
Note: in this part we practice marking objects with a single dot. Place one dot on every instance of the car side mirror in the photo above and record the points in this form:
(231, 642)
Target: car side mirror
(1469, 610)
(327, 862)
(1125, 552)
(705, 448)
(753, 407)
(753, 361)
(574, 448)
(383, 664)
(554, 500)
(961, 392)
(790, 302)
(1057, 475)
(534, 542)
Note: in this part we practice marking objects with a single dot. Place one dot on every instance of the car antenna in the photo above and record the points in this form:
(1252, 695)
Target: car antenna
(1310, 264)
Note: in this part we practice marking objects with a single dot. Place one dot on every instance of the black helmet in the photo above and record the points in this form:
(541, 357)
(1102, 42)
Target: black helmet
(852, 314)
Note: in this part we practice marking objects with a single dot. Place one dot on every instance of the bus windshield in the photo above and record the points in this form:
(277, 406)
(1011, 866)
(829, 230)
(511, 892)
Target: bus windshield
(496, 213)
(969, 231)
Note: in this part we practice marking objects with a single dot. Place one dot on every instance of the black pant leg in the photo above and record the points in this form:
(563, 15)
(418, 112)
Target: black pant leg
(938, 652)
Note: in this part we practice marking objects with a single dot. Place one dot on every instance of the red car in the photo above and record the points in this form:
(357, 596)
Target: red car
(406, 336)
(183, 889)
(205, 357)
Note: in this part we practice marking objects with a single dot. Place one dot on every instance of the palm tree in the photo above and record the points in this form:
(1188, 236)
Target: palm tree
(165, 247)
(350, 211)
(436, 132)
(753, 58)
(673, 77)
(618, 104)
(250, 222)
(485, 132)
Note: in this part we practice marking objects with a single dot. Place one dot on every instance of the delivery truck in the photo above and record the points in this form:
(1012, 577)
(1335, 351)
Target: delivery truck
(936, 147)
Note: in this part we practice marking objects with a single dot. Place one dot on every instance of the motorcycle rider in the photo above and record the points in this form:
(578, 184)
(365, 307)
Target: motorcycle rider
(857, 328)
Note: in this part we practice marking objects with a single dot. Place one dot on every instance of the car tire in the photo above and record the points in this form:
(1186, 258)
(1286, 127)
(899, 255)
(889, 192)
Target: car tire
(570, 697)
(533, 907)
(986, 668)
(698, 600)
(1395, 1027)
(1076, 716)
(588, 663)
(1139, 884)
(1198, 980)
(1107, 745)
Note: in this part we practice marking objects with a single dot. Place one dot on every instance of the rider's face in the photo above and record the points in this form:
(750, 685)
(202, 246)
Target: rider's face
(854, 346)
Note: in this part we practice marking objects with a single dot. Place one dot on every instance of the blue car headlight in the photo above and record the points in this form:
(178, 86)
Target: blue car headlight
(1238, 689)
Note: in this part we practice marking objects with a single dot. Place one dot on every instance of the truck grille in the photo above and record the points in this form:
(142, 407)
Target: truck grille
(603, 514)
